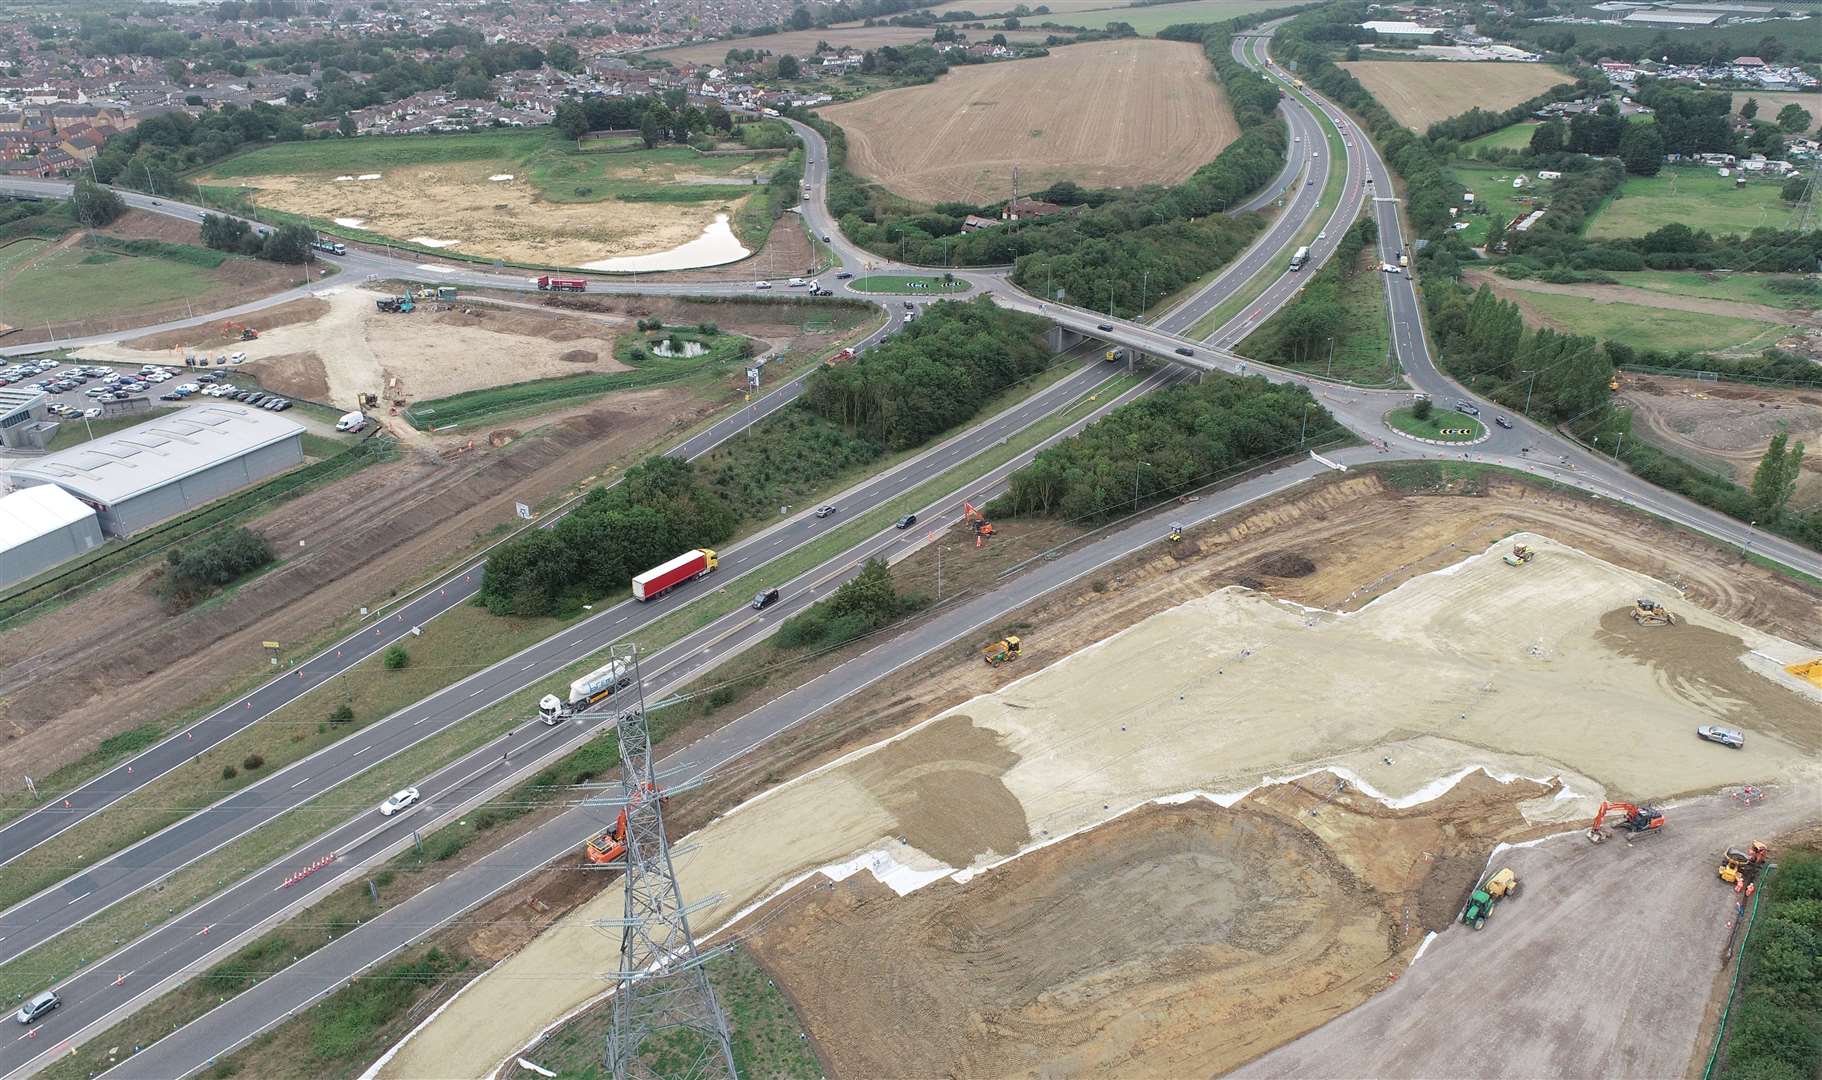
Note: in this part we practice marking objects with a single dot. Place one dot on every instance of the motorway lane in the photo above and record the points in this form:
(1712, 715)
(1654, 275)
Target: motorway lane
(123, 873)
(25, 832)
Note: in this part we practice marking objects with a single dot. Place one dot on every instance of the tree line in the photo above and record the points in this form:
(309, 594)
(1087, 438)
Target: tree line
(931, 376)
(1166, 443)
(1776, 1031)
(284, 244)
(862, 604)
(194, 572)
(1310, 323)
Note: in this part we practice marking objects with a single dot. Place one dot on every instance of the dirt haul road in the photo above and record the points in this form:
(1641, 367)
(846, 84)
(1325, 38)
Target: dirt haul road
(1533, 672)
(1601, 965)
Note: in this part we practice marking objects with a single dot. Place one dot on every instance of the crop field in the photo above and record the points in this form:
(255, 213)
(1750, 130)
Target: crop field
(803, 42)
(525, 196)
(1104, 115)
(1420, 94)
(1771, 101)
(1151, 18)
(1696, 196)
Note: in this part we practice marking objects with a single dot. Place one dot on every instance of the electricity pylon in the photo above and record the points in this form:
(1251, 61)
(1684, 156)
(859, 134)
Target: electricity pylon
(667, 1023)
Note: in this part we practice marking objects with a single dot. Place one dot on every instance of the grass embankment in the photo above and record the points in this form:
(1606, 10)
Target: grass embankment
(908, 283)
(74, 432)
(1694, 195)
(79, 282)
(1772, 290)
(1442, 425)
(1337, 326)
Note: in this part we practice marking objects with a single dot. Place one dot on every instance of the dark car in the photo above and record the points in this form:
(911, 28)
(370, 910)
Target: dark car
(1181, 351)
(844, 275)
(1503, 422)
(907, 521)
(764, 599)
(1104, 326)
(824, 511)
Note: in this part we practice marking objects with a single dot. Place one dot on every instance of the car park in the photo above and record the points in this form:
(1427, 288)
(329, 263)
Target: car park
(400, 799)
(764, 599)
(37, 1007)
(906, 522)
(255, 398)
(824, 511)
(1724, 736)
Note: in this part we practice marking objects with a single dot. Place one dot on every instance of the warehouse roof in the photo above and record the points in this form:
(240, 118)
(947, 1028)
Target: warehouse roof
(117, 467)
(31, 512)
(13, 400)
(1679, 18)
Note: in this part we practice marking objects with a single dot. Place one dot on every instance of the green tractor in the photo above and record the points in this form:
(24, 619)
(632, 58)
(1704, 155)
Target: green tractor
(1480, 905)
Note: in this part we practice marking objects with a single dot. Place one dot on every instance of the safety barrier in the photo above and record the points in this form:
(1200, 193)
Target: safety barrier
(308, 870)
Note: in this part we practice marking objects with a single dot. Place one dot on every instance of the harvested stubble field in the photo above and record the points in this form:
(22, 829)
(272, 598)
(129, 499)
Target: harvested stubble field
(1420, 94)
(803, 42)
(1109, 114)
(1311, 894)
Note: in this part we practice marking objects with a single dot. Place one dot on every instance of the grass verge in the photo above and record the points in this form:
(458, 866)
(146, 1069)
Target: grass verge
(1441, 425)
(908, 283)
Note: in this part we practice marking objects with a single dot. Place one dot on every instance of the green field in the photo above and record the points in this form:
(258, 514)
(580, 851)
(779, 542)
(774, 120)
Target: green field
(906, 283)
(1492, 188)
(78, 283)
(1512, 137)
(1442, 425)
(1740, 287)
(1652, 327)
(556, 168)
(1692, 195)
(19, 251)
(1150, 19)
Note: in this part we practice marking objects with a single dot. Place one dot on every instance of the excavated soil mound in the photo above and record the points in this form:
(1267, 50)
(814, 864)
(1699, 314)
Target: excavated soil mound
(1285, 564)
(579, 356)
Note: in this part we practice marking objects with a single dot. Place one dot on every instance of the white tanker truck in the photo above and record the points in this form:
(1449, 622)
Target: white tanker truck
(597, 686)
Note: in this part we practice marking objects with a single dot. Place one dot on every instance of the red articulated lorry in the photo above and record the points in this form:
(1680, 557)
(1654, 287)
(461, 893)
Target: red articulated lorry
(663, 578)
(563, 284)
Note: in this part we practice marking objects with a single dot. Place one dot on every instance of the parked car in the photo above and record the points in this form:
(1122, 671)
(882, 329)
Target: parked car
(906, 522)
(283, 404)
(764, 599)
(90, 414)
(824, 511)
(37, 1007)
(1724, 736)
(1503, 422)
(400, 800)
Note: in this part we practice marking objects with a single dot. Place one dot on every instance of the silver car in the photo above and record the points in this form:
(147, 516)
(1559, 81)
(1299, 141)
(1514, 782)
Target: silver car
(37, 1007)
(1724, 736)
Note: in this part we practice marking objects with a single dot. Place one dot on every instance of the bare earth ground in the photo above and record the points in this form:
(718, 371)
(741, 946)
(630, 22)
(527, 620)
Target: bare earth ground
(1098, 732)
(437, 350)
(507, 220)
(1572, 990)
(91, 669)
(1111, 114)
(1727, 425)
(802, 43)
(236, 282)
(1621, 294)
(1420, 94)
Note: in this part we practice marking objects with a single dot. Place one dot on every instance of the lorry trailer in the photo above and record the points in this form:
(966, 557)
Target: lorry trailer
(330, 246)
(562, 284)
(1299, 257)
(591, 689)
(666, 576)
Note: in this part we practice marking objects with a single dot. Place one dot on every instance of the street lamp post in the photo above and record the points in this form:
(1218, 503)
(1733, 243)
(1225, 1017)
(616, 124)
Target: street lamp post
(1135, 482)
(1306, 422)
(1144, 291)
(1528, 385)
(1331, 357)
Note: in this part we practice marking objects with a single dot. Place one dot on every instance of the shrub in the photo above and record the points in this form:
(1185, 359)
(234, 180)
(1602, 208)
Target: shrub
(229, 772)
(251, 762)
(195, 572)
(397, 658)
(342, 713)
(1422, 408)
(708, 329)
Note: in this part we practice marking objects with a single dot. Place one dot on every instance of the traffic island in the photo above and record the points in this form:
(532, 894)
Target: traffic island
(1441, 427)
(910, 283)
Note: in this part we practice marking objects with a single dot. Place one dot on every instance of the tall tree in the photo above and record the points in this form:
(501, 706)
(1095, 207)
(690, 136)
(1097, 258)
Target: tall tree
(1794, 117)
(1642, 149)
(95, 205)
(1750, 109)
(1776, 477)
(1547, 138)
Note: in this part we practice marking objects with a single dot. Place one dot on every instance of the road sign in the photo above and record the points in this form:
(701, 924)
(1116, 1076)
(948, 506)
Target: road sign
(522, 510)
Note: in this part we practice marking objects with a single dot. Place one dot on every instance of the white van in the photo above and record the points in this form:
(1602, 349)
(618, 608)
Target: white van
(351, 422)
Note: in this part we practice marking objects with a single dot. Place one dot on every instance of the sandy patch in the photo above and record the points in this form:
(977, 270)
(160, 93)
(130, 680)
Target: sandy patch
(1531, 673)
(458, 204)
(430, 353)
(717, 246)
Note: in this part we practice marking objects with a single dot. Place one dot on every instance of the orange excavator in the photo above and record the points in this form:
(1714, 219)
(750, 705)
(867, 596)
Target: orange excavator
(1633, 822)
(608, 845)
(983, 529)
(245, 332)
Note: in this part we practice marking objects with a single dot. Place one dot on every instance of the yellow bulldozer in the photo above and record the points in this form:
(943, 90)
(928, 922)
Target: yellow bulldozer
(1003, 651)
(1743, 866)
(1648, 612)
(1520, 555)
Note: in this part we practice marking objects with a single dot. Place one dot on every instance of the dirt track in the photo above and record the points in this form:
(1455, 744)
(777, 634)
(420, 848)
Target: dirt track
(1727, 426)
(969, 792)
(1601, 965)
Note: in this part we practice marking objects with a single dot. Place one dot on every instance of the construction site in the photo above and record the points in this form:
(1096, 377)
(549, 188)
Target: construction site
(1242, 797)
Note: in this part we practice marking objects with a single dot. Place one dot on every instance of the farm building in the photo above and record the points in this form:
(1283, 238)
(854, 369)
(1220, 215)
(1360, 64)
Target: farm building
(140, 476)
(41, 527)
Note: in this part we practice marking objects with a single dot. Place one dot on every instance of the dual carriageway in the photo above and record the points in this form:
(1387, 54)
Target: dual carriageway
(108, 989)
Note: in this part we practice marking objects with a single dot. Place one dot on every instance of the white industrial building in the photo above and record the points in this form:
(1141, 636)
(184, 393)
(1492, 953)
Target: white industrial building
(41, 527)
(164, 467)
(1675, 18)
(1399, 29)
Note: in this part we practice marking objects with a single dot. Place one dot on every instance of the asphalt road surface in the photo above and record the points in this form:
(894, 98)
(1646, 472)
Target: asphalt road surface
(1600, 966)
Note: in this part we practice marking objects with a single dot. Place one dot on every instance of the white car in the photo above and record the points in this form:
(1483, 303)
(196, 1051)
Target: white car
(762, 284)
(238, 358)
(400, 800)
(189, 387)
(90, 414)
